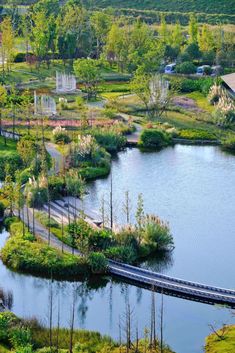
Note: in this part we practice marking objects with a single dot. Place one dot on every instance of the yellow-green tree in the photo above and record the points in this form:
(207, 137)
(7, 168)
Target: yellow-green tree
(193, 29)
(7, 48)
(205, 39)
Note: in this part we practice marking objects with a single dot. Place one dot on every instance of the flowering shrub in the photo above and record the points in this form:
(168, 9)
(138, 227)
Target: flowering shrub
(60, 135)
(225, 110)
(215, 93)
(86, 151)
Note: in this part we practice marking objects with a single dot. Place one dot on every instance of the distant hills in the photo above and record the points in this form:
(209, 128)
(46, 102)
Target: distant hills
(198, 6)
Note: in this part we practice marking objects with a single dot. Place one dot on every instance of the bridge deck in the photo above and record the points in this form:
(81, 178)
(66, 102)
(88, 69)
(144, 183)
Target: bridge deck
(174, 286)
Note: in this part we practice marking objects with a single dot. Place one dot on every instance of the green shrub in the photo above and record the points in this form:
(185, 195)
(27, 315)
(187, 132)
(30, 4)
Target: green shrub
(2, 210)
(127, 254)
(154, 138)
(109, 139)
(20, 57)
(25, 175)
(229, 143)
(186, 67)
(156, 234)
(196, 135)
(97, 262)
(38, 258)
(14, 162)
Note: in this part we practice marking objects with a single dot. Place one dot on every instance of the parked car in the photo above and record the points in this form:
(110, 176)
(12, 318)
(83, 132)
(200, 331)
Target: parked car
(203, 70)
(170, 69)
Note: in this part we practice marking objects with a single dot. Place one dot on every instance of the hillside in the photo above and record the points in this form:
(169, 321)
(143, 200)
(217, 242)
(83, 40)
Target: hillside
(206, 6)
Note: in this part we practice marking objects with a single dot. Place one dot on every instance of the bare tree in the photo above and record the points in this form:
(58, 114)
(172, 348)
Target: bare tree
(127, 207)
(220, 334)
(111, 201)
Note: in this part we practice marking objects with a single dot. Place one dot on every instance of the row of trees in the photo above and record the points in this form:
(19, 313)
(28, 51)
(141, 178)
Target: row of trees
(70, 31)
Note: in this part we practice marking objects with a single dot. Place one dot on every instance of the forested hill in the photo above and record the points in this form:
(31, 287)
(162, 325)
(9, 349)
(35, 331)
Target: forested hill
(206, 6)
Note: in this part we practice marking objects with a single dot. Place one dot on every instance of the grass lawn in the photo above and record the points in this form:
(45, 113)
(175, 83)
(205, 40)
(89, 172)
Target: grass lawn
(9, 149)
(227, 345)
(201, 101)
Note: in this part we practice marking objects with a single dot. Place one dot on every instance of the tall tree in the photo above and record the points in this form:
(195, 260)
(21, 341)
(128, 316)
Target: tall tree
(205, 39)
(7, 47)
(87, 70)
(193, 29)
(100, 23)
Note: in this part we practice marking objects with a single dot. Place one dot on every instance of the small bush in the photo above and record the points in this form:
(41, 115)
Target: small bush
(196, 135)
(154, 138)
(97, 262)
(20, 57)
(229, 143)
(186, 67)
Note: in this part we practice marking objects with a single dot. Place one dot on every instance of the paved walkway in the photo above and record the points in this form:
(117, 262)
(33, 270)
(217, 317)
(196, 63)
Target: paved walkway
(42, 233)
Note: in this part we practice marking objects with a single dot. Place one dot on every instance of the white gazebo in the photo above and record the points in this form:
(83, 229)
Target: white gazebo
(44, 105)
(65, 83)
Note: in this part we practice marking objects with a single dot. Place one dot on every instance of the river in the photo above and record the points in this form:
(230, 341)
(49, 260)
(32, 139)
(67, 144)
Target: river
(194, 189)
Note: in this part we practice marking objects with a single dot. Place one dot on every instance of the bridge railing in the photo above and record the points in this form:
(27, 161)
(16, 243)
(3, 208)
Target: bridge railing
(172, 279)
(176, 287)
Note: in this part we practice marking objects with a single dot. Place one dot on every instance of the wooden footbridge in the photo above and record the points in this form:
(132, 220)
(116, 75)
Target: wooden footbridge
(172, 286)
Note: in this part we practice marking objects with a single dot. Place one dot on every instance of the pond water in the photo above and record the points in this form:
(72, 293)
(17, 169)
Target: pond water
(194, 189)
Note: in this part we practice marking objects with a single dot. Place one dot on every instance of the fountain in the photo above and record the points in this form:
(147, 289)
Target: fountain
(65, 83)
(158, 87)
(44, 105)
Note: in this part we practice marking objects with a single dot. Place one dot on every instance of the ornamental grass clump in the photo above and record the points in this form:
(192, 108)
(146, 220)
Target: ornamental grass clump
(60, 135)
(215, 93)
(156, 234)
(225, 110)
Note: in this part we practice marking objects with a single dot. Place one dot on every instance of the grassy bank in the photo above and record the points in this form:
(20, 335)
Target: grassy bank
(225, 344)
(28, 336)
(26, 254)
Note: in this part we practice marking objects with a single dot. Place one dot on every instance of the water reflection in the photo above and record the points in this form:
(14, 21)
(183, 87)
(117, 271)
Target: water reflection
(6, 300)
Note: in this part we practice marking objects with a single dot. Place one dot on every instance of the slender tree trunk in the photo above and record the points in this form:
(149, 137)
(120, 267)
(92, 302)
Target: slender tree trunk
(72, 323)
(58, 325)
(161, 334)
(111, 202)
(50, 314)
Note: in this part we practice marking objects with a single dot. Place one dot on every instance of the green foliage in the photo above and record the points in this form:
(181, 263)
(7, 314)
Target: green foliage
(8, 156)
(202, 6)
(109, 139)
(2, 209)
(186, 67)
(26, 148)
(225, 344)
(89, 73)
(229, 143)
(156, 234)
(192, 134)
(154, 138)
(186, 85)
(127, 254)
(38, 258)
(60, 135)
(97, 262)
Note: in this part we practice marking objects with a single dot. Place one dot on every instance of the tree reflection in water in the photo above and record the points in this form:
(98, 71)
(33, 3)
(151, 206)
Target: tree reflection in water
(6, 300)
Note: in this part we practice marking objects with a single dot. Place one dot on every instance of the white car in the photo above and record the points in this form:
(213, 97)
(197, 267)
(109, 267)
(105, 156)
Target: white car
(201, 70)
(170, 69)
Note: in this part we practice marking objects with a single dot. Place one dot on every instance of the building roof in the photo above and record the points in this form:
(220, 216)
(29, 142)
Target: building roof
(230, 81)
